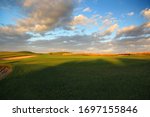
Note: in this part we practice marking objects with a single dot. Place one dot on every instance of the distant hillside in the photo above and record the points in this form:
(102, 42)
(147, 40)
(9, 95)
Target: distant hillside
(28, 52)
(136, 53)
(98, 54)
(15, 54)
(60, 53)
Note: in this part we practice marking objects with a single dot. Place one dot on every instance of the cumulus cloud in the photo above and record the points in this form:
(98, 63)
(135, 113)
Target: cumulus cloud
(40, 17)
(12, 38)
(10, 33)
(134, 31)
(82, 20)
(46, 15)
(107, 21)
(88, 9)
(146, 13)
(109, 31)
(102, 35)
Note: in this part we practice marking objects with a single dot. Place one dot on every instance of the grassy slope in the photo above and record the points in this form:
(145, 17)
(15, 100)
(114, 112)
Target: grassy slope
(78, 77)
(14, 54)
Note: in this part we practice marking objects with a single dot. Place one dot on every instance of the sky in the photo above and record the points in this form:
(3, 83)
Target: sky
(95, 26)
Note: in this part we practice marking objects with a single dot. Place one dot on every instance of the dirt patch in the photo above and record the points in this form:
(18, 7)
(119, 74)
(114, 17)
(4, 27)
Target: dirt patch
(5, 71)
(17, 58)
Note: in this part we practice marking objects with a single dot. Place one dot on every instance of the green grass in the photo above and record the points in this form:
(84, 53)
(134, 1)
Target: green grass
(77, 77)
(14, 54)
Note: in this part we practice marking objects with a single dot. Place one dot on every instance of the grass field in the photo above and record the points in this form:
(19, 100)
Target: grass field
(76, 77)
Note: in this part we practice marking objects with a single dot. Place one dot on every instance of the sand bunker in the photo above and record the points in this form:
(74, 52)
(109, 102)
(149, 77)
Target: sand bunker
(17, 58)
(4, 71)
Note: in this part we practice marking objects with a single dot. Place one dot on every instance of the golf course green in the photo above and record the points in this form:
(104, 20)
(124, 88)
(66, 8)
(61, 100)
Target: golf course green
(75, 77)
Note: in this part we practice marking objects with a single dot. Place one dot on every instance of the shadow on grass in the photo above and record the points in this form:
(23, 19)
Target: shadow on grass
(90, 80)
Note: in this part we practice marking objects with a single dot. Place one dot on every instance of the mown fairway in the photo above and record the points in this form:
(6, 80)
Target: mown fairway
(77, 77)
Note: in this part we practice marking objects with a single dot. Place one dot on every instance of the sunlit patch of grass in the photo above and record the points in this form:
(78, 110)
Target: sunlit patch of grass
(113, 60)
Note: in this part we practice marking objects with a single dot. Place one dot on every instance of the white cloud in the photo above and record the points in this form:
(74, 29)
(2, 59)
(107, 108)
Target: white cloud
(93, 44)
(146, 13)
(88, 9)
(125, 30)
(11, 38)
(82, 20)
(130, 14)
(42, 16)
(110, 30)
(46, 15)
(107, 21)
(134, 31)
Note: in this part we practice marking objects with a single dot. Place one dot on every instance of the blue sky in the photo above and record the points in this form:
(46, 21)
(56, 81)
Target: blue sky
(110, 26)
